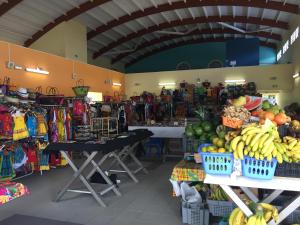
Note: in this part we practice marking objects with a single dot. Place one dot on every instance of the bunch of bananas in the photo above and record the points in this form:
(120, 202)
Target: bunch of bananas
(217, 193)
(254, 141)
(291, 147)
(263, 214)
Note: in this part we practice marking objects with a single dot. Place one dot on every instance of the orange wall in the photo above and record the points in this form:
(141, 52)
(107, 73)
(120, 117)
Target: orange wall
(60, 71)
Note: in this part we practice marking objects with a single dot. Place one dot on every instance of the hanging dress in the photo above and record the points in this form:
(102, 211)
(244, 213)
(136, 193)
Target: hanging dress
(42, 125)
(31, 123)
(20, 130)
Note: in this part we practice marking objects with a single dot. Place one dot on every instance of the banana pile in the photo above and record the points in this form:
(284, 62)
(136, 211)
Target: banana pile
(291, 148)
(217, 193)
(254, 141)
(263, 214)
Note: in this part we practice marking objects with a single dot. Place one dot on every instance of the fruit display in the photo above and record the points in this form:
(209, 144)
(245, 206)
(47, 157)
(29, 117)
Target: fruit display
(203, 131)
(236, 113)
(263, 214)
(217, 193)
(291, 149)
(256, 141)
(248, 102)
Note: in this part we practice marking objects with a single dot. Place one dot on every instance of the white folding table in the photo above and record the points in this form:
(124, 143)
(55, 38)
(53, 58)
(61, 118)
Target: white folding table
(278, 184)
(165, 132)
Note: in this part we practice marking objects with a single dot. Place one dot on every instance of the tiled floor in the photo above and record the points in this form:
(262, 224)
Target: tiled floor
(146, 203)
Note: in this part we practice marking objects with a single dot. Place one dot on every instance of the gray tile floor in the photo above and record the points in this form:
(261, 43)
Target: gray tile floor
(149, 202)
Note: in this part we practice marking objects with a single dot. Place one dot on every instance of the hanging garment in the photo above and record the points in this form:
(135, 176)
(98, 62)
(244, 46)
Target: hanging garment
(68, 125)
(42, 125)
(78, 108)
(20, 130)
(61, 125)
(31, 123)
(19, 157)
(53, 126)
(6, 126)
(43, 156)
(6, 166)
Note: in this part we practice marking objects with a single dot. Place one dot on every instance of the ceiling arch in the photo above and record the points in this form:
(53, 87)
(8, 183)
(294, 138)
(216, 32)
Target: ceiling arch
(280, 6)
(188, 42)
(6, 6)
(189, 21)
(67, 16)
(159, 40)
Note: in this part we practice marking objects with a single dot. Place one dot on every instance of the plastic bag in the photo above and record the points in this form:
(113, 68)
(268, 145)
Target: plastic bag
(189, 194)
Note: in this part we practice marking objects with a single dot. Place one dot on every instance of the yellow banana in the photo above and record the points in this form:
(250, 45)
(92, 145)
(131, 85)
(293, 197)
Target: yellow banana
(252, 220)
(269, 140)
(266, 148)
(263, 139)
(261, 157)
(236, 155)
(268, 216)
(256, 155)
(253, 131)
(251, 154)
(270, 149)
(256, 138)
(239, 218)
(240, 150)
(262, 221)
(296, 148)
(249, 138)
(258, 220)
(292, 144)
(233, 215)
(244, 131)
(279, 158)
(234, 142)
(255, 147)
(267, 206)
(279, 147)
(274, 152)
(269, 157)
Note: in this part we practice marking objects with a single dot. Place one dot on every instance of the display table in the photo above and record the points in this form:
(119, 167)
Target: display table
(110, 149)
(165, 132)
(278, 184)
(188, 171)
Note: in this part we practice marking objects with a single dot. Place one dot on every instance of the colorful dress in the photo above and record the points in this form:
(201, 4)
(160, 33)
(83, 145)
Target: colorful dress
(20, 130)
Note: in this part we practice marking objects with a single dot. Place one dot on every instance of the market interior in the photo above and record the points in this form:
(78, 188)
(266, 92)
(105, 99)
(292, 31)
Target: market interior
(149, 112)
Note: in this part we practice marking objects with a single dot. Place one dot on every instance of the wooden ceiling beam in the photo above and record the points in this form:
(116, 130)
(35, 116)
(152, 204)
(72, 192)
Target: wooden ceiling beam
(189, 42)
(6, 6)
(189, 21)
(88, 5)
(155, 41)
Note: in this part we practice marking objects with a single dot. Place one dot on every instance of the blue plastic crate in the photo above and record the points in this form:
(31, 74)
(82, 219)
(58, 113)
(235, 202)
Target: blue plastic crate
(217, 163)
(258, 169)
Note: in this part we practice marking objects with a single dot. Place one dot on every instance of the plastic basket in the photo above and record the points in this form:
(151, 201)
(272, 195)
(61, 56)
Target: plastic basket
(202, 146)
(194, 213)
(258, 169)
(232, 123)
(190, 144)
(288, 170)
(220, 208)
(217, 163)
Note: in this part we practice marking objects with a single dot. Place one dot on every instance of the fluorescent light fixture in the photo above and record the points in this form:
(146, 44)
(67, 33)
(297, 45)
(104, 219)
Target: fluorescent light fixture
(167, 84)
(18, 67)
(37, 70)
(296, 75)
(117, 84)
(95, 96)
(235, 81)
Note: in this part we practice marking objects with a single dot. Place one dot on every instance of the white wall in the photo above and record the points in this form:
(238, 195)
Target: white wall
(68, 40)
(261, 75)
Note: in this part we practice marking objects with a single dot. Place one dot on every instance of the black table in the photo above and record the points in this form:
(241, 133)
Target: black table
(119, 149)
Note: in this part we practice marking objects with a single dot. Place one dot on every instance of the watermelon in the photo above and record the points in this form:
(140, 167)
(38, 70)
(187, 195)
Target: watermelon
(252, 102)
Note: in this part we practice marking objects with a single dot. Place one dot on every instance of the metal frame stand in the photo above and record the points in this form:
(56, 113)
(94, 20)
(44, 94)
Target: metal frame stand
(128, 151)
(278, 184)
(78, 174)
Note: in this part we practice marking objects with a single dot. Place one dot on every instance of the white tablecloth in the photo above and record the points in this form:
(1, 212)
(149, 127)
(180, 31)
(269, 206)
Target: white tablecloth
(162, 132)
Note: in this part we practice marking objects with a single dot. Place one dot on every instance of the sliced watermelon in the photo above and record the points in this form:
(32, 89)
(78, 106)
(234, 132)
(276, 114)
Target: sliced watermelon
(248, 99)
(254, 103)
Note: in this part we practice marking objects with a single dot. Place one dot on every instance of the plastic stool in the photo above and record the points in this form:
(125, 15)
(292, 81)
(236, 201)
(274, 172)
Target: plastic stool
(155, 143)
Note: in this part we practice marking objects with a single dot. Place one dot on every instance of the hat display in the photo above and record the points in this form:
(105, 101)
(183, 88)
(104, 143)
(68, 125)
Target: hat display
(22, 93)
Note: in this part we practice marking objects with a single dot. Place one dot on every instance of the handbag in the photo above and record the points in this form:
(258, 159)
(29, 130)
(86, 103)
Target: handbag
(80, 90)
(52, 97)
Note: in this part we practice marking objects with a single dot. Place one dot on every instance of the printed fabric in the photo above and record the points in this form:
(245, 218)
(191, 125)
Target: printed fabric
(20, 130)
